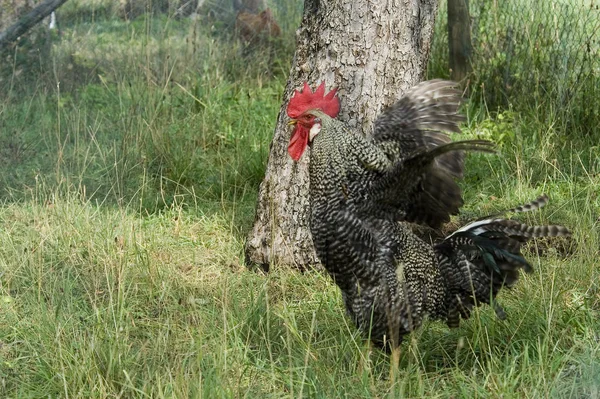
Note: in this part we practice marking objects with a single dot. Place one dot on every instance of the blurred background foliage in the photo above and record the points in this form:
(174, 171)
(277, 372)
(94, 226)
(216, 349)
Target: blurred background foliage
(155, 102)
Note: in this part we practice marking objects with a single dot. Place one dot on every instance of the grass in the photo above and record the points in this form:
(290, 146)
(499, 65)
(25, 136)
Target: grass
(126, 193)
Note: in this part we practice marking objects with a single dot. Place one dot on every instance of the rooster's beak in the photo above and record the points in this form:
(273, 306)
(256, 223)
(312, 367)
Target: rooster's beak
(292, 122)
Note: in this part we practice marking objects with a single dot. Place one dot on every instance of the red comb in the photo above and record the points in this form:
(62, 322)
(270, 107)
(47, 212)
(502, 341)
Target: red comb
(305, 100)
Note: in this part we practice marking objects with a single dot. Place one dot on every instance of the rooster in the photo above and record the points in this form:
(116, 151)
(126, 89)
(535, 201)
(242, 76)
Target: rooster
(365, 192)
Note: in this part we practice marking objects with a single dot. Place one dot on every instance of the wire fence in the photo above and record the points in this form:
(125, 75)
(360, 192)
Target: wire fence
(539, 53)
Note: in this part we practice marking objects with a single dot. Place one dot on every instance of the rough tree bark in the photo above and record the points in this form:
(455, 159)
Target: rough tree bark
(373, 51)
(459, 38)
(41, 11)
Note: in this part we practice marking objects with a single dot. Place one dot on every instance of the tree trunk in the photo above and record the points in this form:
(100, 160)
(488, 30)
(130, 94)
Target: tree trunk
(41, 11)
(459, 38)
(373, 51)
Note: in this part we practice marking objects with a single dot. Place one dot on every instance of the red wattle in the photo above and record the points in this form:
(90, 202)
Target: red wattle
(298, 142)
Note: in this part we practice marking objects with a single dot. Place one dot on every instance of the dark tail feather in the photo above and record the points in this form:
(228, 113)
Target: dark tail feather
(426, 157)
(482, 257)
(534, 205)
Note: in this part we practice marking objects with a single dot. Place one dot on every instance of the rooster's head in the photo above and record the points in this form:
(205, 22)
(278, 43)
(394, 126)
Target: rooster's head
(301, 110)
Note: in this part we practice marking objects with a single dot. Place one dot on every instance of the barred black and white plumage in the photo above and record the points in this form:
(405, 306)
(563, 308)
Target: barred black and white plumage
(365, 192)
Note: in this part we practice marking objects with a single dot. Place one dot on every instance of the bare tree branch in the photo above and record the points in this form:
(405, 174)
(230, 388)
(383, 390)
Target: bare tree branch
(32, 18)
